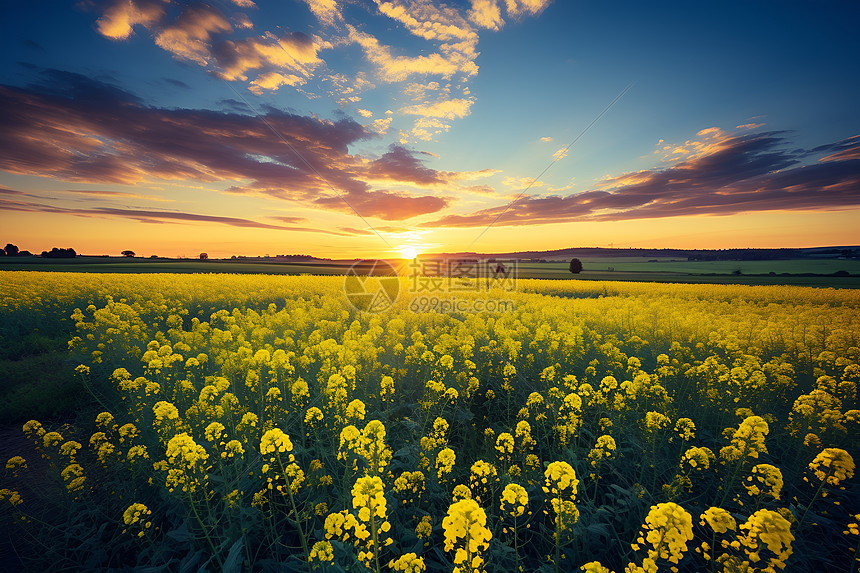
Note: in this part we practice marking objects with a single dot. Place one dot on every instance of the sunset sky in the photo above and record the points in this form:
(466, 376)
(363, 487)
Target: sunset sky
(354, 128)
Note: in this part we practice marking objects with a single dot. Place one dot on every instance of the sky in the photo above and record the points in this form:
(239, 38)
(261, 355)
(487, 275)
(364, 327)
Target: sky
(371, 128)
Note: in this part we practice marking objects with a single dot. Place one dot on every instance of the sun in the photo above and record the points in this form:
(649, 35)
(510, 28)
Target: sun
(408, 251)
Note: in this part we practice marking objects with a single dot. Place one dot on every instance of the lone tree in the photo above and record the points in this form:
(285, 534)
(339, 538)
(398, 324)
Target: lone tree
(204, 256)
(575, 266)
(11, 250)
(128, 253)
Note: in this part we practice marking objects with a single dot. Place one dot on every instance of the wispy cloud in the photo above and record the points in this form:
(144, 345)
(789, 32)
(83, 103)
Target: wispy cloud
(151, 216)
(736, 174)
(78, 129)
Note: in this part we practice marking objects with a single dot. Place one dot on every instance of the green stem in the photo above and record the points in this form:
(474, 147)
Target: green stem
(814, 497)
(205, 532)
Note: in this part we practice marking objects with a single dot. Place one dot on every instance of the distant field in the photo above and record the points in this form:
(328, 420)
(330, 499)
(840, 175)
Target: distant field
(607, 268)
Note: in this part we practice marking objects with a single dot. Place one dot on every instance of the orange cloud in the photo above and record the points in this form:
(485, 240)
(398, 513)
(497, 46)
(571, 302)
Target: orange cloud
(445, 109)
(486, 14)
(120, 17)
(190, 37)
(326, 11)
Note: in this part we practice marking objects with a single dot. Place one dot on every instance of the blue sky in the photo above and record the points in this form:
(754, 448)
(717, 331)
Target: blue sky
(129, 125)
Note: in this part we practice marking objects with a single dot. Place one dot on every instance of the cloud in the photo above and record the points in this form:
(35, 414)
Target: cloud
(391, 68)
(446, 109)
(526, 7)
(120, 17)
(744, 173)
(273, 80)
(383, 204)
(486, 14)
(74, 128)
(429, 20)
(244, 3)
(522, 182)
(546, 139)
(750, 126)
(295, 52)
(364, 112)
(288, 219)
(326, 11)
(190, 36)
(560, 154)
(149, 216)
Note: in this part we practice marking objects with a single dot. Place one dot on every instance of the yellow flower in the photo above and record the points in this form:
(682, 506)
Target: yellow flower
(13, 497)
(686, 429)
(667, 529)
(213, 431)
(134, 513)
(832, 466)
(321, 551)
(275, 440)
(719, 520)
(408, 563)
(594, 567)
(165, 411)
(697, 458)
(184, 450)
(15, 464)
(603, 449)
(515, 500)
(766, 528)
(104, 419)
(466, 530)
(424, 528)
(233, 448)
(766, 480)
(445, 462)
(52, 439)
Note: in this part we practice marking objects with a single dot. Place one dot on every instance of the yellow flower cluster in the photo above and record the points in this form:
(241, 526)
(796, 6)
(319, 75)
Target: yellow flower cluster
(445, 463)
(697, 458)
(766, 480)
(424, 529)
(408, 563)
(666, 530)
(136, 517)
(832, 466)
(603, 449)
(466, 532)
(15, 464)
(410, 486)
(322, 551)
(515, 500)
(560, 485)
(747, 440)
(13, 497)
(719, 520)
(368, 501)
(686, 429)
(766, 529)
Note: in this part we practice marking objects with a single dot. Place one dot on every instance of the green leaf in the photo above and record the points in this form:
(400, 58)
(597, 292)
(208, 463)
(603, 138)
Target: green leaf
(234, 557)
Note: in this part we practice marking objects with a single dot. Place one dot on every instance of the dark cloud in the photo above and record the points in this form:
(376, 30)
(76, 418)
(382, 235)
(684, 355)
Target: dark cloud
(401, 165)
(80, 129)
(146, 216)
(288, 220)
(177, 83)
(746, 173)
(35, 46)
(384, 204)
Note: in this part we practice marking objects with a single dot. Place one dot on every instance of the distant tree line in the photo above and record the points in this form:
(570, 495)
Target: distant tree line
(11, 250)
